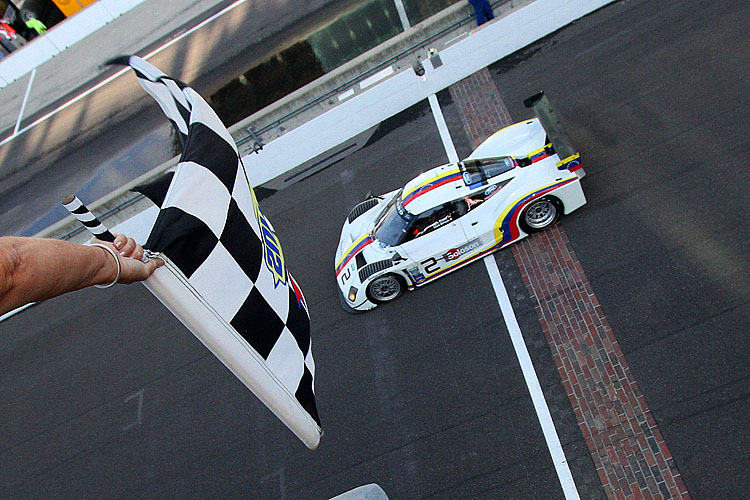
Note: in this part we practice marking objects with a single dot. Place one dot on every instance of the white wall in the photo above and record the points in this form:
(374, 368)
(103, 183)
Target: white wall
(60, 37)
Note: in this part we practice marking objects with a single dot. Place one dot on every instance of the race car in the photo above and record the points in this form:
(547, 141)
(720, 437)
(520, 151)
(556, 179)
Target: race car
(519, 181)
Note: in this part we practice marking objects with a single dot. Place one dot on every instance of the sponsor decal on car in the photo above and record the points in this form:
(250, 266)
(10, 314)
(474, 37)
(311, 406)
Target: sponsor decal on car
(417, 276)
(445, 178)
(571, 163)
(464, 249)
(353, 250)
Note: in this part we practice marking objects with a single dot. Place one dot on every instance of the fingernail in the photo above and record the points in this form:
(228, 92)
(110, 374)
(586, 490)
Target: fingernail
(118, 244)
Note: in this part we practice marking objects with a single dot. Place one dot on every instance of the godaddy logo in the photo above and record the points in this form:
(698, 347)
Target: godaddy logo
(272, 253)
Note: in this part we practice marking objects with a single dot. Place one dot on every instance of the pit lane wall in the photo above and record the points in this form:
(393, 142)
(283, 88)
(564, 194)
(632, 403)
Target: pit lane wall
(367, 109)
(60, 37)
(354, 112)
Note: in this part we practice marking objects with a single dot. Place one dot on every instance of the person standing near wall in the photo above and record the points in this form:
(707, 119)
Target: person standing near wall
(483, 11)
(35, 26)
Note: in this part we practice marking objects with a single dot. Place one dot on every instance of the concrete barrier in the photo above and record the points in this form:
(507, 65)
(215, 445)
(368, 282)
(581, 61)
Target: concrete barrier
(60, 37)
(23, 60)
(483, 47)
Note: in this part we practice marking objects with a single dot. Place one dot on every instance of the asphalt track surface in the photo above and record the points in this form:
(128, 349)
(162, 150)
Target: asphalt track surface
(105, 395)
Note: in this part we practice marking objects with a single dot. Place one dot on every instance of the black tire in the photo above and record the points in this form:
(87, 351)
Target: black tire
(386, 288)
(540, 214)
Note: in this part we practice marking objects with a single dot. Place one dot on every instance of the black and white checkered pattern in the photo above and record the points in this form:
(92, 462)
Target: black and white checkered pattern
(211, 226)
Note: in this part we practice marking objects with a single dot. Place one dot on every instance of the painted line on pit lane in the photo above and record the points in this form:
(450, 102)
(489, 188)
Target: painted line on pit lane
(119, 73)
(564, 475)
(445, 135)
(25, 101)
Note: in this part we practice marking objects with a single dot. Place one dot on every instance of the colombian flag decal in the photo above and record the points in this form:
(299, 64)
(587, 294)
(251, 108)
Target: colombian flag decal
(353, 250)
(446, 178)
(506, 229)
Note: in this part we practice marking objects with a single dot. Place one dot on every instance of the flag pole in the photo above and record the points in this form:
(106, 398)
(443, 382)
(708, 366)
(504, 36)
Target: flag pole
(171, 288)
(85, 217)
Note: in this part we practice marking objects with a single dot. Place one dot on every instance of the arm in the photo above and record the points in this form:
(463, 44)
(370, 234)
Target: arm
(33, 269)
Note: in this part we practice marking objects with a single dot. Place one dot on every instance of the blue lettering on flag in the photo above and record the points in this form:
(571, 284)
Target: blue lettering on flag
(273, 256)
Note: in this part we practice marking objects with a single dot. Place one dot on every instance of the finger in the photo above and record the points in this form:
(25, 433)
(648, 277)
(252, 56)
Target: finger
(128, 248)
(153, 265)
(134, 270)
(137, 253)
(147, 269)
(120, 240)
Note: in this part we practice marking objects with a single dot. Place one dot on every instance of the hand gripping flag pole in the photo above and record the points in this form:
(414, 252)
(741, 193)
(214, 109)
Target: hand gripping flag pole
(96, 228)
(224, 276)
(186, 303)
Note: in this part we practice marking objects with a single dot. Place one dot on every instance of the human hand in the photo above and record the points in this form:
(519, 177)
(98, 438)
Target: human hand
(131, 253)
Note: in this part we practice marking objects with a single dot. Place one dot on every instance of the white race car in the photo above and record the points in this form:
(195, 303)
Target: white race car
(513, 184)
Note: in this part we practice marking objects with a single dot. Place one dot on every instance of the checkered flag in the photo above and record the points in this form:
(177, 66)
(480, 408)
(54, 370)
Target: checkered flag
(225, 276)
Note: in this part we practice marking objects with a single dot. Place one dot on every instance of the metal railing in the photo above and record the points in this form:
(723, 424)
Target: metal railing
(401, 55)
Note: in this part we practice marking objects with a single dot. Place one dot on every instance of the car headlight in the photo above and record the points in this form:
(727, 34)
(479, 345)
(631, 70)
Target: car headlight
(352, 294)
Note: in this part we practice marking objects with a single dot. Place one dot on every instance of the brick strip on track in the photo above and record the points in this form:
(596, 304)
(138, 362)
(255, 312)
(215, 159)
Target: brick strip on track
(631, 457)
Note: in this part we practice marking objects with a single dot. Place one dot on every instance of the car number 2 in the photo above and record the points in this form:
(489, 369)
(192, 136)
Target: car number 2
(430, 265)
(345, 276)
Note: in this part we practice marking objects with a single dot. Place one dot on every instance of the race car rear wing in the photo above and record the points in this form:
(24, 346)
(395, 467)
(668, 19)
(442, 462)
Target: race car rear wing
(570, 159)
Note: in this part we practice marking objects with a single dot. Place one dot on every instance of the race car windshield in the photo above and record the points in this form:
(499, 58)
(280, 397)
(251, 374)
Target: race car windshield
(392, 228)
(478, 171)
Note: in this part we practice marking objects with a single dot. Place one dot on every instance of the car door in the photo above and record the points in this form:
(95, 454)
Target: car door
(431, 238)
(483, 216)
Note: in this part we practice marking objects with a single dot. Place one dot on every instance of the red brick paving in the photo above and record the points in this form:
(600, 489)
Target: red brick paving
(631, 457)
(482, 110)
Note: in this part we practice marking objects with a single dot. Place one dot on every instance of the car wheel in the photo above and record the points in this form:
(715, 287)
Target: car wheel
(386, 288)
(540, 215)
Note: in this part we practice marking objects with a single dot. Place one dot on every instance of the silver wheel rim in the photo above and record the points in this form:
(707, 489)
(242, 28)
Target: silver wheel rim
(540, 214)
(385, 288)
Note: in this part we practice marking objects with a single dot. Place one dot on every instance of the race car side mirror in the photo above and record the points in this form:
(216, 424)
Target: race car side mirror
(396, 257)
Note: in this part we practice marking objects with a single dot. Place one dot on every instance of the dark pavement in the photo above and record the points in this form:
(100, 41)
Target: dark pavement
(106, 396)
(654, 99)
(424, 397)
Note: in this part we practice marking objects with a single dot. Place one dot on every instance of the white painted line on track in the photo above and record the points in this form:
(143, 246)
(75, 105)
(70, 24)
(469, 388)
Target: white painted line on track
(445, 135)
(402, 14)
(532, 382)
(527, 367)
(25, 100)
(101, 84)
